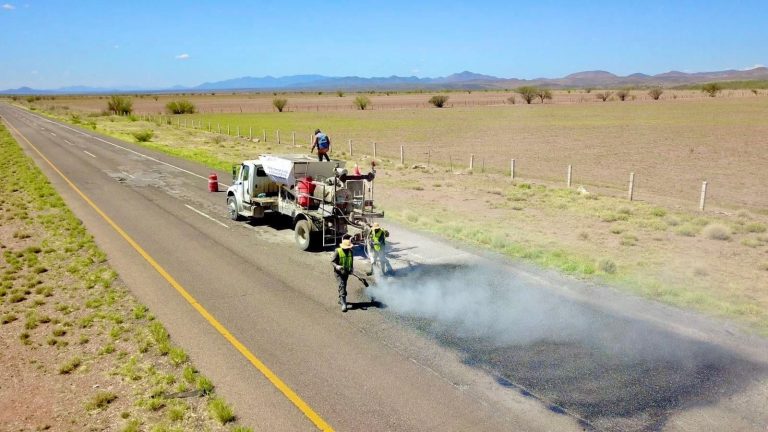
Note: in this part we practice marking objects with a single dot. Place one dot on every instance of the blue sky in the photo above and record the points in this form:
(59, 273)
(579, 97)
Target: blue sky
(49, 44)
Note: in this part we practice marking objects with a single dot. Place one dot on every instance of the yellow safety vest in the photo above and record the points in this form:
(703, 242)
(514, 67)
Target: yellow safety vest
(345, 259)
(378, 239)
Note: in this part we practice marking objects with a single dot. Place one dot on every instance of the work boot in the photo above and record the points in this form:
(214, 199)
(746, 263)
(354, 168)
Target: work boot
(344, 306)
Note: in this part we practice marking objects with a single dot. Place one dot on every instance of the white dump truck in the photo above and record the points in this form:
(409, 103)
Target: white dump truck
(324, 201)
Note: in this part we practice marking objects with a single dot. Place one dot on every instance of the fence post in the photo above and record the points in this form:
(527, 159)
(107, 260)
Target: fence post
(570, 170)
(402, 155)
(264, 134)
(703, 199)
(631, 193)
(250, 133)
(374, 149)
(472, 162)
(512, 169)
(218, 126)
(278, 137)
(350, 147)
(238, 131)
(293, 139)
(209, 126)
(228, 134)
(178, 122)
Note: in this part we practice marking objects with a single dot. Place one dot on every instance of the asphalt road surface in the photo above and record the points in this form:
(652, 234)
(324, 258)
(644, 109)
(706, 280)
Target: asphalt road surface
(456, 340)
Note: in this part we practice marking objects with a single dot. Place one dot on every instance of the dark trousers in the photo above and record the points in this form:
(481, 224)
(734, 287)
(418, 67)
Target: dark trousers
(342, 280)
(320, 156)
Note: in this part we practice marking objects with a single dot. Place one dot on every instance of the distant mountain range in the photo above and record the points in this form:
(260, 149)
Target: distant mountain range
(464, 80)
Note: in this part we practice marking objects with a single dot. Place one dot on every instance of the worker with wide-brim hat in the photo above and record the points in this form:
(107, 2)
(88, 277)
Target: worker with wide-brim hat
(343, 265)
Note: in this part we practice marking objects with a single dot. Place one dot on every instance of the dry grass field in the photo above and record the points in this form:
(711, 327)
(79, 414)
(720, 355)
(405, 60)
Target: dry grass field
(672, 145)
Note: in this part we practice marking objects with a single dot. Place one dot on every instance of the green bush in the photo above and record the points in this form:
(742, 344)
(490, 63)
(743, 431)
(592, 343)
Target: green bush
(361, 102)
(543, 94)
(528, 93)
(143, 135)
(755, 227)
(181, 106)
(279, 103)
(438, 100)
(119, 105)
(711, 89)
(221, 411)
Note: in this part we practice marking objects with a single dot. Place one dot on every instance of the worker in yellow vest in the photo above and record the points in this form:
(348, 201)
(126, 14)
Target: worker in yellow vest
(343, 265)
(377, 248)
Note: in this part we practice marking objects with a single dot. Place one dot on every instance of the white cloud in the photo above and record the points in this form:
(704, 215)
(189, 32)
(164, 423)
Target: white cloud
(753, 67)
(8, 6)
(182, 56)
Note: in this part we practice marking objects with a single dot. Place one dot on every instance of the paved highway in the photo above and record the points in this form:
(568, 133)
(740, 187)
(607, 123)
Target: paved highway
(261, 318)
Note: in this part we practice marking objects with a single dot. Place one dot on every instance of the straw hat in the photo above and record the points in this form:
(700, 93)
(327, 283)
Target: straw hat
(375, 225)
(346, 244)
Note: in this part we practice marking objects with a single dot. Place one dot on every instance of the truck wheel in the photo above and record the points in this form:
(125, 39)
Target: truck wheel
(303, 235)
(232, 206)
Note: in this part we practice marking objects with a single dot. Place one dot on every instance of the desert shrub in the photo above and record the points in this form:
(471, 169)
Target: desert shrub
(544, 94)
(751, 242)
(655, 93)
(100, 400)
(339, 93)
(528, 93)
(75, 118)
(687, 230)
(622, 94)
(119, 105)
(143, 135)
(279, 103)
(755, 227)
(438, 100)
(607, 266)
(512, 99)
(711, 89)
(603, 96)
(717, 232)
(181, 106)
(361, 102)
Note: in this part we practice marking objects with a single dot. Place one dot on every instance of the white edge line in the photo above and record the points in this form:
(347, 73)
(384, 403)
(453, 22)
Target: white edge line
(124, 148)
(89, 154)
(204, 215)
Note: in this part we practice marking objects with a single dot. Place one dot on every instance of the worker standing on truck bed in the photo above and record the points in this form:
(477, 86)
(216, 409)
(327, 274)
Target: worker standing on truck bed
(343, 267)
(323, 144)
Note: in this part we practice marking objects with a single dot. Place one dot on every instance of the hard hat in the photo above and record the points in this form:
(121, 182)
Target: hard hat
(375, 225)
(346, 244)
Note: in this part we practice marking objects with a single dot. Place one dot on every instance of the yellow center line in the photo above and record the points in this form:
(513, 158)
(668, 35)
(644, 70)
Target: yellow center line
(274, 379)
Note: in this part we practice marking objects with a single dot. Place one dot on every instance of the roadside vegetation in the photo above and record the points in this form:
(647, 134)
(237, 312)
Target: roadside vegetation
(73, 338)
(661, 251)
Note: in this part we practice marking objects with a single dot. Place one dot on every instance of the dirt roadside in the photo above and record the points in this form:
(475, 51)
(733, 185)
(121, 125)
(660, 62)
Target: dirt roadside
(78, 351)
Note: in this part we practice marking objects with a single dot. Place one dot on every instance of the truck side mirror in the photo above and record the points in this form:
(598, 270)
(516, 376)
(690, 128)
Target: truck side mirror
(234, 172)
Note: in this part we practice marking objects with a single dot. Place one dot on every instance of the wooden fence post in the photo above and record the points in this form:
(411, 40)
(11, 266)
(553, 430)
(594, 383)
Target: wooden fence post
(293, 139)
(278, 136)
(472, 162)
(703, 199)
(402, 155)
(512, 169)
(264, 134)
(374, 149)
(570, 170)
(250, 133)
(228, 130)
(350, 147)
(631, 192)
(238, 131)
